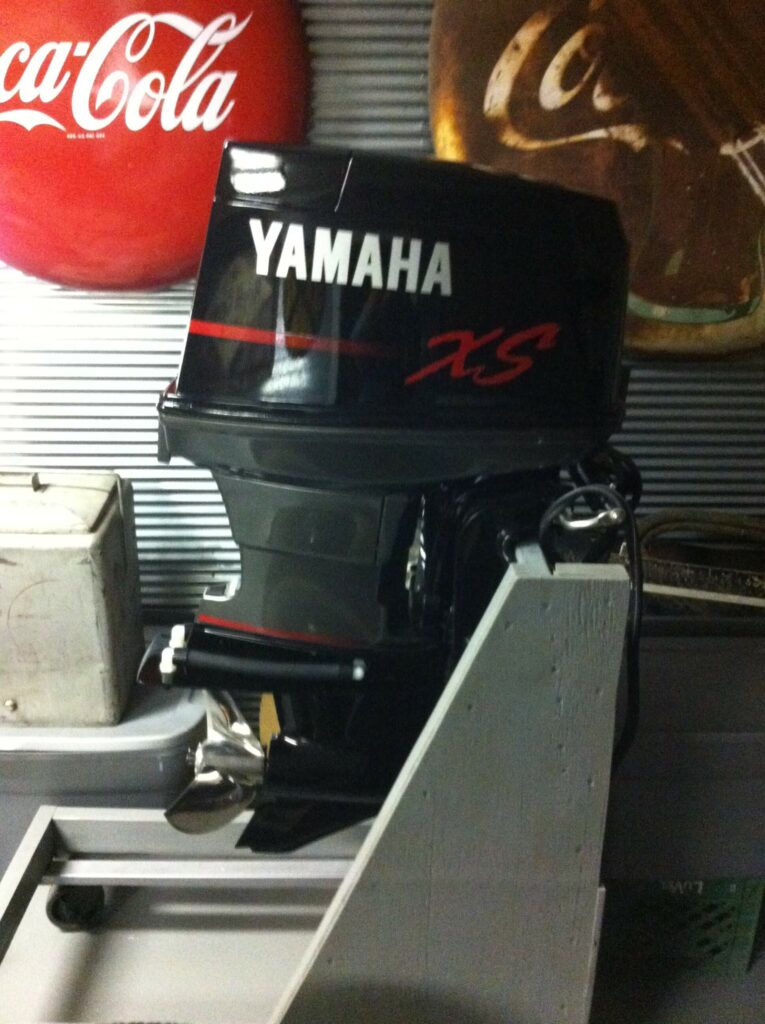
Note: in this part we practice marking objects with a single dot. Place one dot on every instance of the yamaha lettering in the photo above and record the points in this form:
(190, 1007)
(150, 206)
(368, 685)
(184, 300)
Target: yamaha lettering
(345, 257)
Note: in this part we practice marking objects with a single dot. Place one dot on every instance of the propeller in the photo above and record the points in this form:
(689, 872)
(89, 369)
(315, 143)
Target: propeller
(229, 765)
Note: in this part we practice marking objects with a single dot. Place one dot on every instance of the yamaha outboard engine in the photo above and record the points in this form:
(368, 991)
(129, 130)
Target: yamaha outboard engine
(387, 365)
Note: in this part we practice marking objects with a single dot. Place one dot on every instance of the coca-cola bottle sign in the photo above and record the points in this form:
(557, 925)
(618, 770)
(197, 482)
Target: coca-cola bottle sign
(658, 105)
(112, 120)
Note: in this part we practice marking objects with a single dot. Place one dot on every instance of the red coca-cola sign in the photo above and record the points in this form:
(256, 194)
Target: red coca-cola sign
(112, 121)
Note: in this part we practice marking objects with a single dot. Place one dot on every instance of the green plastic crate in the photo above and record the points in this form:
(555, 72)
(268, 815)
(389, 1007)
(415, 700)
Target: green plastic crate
(703, 926)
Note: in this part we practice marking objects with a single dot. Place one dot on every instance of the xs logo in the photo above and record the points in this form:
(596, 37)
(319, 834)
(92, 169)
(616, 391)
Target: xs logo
(542, 337)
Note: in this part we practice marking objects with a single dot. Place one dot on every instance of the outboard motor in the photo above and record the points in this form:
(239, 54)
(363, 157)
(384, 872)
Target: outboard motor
(388, 363)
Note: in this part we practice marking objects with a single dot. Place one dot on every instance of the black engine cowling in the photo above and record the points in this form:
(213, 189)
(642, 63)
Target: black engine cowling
(387, 365)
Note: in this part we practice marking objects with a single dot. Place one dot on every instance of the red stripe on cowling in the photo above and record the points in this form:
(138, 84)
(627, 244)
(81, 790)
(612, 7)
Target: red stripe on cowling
(277, 634)
(255, 336)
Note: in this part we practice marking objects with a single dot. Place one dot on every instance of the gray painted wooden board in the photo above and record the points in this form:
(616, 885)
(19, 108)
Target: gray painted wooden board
(474, 899)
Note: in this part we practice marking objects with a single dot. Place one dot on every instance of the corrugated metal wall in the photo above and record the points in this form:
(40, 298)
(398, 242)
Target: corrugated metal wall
(80, 372)
(370, 63)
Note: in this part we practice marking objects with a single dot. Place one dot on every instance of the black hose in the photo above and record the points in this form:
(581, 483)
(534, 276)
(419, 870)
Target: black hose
(192, 661)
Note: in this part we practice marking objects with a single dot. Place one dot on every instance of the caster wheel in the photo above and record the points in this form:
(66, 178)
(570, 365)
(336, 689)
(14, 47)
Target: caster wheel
(76, 908)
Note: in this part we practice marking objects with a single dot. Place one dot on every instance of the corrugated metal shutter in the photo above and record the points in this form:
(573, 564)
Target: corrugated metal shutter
(370, 63)
(81, 371)
(697, 431)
